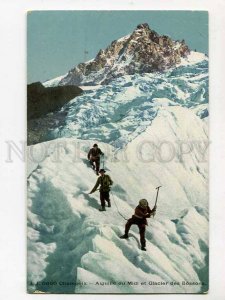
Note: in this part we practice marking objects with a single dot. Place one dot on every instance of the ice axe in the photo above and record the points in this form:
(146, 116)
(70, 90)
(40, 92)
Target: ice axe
(156, 197)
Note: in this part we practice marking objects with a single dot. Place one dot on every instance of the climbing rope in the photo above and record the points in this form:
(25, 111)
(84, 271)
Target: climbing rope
(103, 161)
(117, 207)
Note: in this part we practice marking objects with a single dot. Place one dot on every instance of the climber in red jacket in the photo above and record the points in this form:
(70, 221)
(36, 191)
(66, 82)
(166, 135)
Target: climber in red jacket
(142, 212)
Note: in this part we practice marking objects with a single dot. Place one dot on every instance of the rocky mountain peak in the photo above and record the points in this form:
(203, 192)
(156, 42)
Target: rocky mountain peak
(143, 51)
(143, 26)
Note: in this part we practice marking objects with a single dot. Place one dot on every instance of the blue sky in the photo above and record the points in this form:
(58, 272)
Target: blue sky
(59, 40)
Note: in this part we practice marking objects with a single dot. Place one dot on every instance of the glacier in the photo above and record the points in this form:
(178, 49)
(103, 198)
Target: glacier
(118, 112)
(143, 123)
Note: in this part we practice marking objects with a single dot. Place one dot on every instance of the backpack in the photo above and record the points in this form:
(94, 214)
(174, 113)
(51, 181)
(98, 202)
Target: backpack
(105, 183)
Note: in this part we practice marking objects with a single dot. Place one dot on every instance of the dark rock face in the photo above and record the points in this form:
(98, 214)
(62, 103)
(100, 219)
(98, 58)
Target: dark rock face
(41, 100)
(144, 51)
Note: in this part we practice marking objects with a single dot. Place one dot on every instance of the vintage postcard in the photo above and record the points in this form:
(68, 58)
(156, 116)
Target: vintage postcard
(117, 152)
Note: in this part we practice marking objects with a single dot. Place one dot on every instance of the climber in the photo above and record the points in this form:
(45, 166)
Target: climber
(142, 211)
(94, 157)
(105, 182)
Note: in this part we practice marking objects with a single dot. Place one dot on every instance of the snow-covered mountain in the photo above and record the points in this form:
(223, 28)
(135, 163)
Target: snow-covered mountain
(142, 51)
(152, 127)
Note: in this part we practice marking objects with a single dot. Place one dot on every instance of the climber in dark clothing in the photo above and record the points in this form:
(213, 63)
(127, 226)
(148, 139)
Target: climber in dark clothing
(94, 157)
(142, 211)
(105, 182)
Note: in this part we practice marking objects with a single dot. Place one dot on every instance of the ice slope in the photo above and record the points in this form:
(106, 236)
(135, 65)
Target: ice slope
(143, 123)
(193, 58)
(118, 112)
(71, 241)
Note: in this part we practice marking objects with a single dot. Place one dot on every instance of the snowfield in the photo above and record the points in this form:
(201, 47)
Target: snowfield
(153, 130)
(70, 240)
